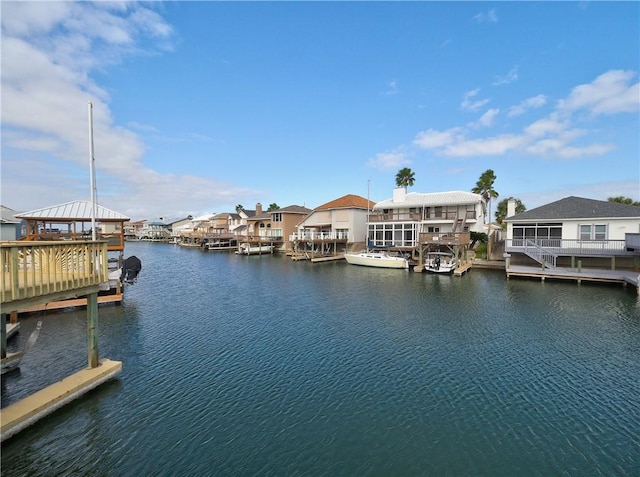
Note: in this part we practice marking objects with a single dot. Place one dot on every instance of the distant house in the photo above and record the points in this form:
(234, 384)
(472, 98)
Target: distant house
(11, 228)
(406, 219)
(154, 231)
(601, 234)
(284, 222)
(335, 225)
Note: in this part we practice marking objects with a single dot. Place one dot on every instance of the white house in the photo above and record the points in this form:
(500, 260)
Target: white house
(594, 231)
(400, 220)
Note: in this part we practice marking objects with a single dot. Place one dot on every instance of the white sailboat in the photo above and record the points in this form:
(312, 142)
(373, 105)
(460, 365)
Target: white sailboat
(375, 258)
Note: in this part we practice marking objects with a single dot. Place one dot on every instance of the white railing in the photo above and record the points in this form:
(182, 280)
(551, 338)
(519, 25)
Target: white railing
(315, 235)
(570, 246)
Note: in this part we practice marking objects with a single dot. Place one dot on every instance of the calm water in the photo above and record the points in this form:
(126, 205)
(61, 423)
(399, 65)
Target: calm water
(262, 366)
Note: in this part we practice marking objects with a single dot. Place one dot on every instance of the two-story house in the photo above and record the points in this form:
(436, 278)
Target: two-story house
(409, 219)
(333, 227)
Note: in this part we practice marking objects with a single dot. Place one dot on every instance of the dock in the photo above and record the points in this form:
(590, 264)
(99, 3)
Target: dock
(624, 277)
(22, 414)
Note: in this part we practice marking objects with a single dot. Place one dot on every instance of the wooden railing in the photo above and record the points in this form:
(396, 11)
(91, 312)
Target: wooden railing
(447, 238)
(308, 235)
(35, 270)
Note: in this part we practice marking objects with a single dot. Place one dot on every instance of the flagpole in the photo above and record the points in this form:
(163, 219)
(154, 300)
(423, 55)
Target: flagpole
(92, 174)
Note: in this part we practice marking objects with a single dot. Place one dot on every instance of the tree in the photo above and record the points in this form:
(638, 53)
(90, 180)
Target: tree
(623, 200)
(239, 208)
(501, 209)
(273, 207)
(405, 177)
(484, 187)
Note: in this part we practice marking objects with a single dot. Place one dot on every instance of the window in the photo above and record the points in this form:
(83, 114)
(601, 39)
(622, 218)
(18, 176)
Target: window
(593, 232)
(276, 217)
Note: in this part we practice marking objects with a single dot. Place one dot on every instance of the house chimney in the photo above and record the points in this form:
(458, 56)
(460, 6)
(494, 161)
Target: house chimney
(511, 206)
(258, 208)
(399, 194)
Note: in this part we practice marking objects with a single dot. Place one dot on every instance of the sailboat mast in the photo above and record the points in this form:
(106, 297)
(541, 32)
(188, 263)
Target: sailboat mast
(92, 174)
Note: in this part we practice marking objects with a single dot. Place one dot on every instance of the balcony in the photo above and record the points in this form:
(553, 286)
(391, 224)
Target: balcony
(450, 238)
(570, 247)
(314, 235)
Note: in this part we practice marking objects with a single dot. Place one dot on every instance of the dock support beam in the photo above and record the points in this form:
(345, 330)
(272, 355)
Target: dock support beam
(92, 330)
(3, 336)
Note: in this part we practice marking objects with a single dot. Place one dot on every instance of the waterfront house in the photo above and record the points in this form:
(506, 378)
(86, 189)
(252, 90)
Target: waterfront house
(284, 223)
(408, 220)
(154, 231)
(132, 229)
(333, 227)
(11, 228)
(191, 234)
(598, 234)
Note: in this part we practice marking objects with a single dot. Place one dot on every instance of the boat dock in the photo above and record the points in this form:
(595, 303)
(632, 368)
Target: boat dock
(36, 273)
(29, 410)
(624, 277)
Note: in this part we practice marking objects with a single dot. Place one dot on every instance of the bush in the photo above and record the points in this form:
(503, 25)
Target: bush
(481, 251)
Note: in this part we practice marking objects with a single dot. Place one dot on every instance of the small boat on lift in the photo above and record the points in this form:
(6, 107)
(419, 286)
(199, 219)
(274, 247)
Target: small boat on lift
(440, 262)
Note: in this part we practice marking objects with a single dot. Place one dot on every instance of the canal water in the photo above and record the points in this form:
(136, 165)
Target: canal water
(263, 366)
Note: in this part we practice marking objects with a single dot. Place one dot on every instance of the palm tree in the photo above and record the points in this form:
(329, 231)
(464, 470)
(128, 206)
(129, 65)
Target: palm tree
(405, 177)
(239, 208)
(484, 187)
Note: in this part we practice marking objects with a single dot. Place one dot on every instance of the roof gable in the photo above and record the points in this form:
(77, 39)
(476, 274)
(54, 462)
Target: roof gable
(578, 208)
(292, 209)
(347, 201)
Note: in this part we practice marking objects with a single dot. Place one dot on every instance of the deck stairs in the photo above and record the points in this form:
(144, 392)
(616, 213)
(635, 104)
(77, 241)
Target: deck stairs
(543, 256)
(458, 224)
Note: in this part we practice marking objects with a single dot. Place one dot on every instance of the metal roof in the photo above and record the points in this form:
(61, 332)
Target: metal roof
(431, 199)
(578, 208)
(78, 210)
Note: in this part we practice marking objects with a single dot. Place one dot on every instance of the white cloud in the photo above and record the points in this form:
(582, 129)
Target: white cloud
(510, 77)
(487, 118)
(529, 103)
(489, 16)
(467, 101)
(49, 52)
(389, 160)
(609, 93)
(552, 136)
(392, 88)
(432, 139)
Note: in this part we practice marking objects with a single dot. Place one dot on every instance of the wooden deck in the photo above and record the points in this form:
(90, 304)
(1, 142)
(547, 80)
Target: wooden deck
(624, 277)
(34, 273)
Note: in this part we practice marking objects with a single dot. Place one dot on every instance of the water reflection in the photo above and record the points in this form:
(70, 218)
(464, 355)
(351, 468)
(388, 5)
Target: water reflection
(260, 365)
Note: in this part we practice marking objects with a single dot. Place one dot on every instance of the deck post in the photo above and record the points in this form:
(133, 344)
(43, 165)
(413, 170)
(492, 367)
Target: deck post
(92, 329)
(613, 262)
(3, 336)
(580, 266)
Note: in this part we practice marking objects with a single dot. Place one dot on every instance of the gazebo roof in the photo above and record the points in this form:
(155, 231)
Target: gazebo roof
(79, 210)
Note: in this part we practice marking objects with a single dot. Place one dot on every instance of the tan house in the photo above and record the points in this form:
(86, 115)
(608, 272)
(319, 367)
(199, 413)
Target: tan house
(333, 227)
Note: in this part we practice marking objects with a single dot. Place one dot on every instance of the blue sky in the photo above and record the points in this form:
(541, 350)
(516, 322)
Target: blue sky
(200, 106)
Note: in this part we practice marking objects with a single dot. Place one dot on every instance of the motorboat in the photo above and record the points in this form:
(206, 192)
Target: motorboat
(379, 259)
(440, 262)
